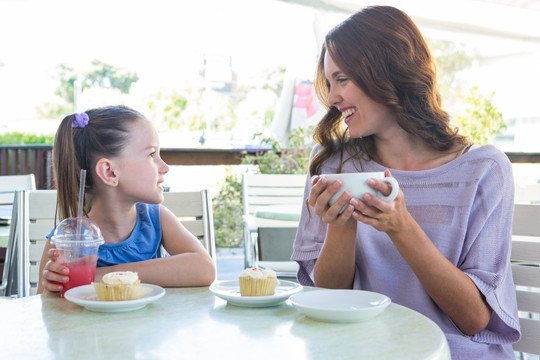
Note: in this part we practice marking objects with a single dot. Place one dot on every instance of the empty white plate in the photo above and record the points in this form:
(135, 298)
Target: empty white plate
(340, 305)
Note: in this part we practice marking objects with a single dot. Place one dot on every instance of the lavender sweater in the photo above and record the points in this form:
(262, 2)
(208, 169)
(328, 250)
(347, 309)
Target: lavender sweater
(465, 207)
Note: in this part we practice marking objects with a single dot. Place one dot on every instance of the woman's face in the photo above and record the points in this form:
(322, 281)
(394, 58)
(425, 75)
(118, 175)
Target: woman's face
(361, 114)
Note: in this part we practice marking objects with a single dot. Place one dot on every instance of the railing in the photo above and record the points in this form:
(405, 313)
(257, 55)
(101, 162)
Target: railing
(28, 159)
(36, 159)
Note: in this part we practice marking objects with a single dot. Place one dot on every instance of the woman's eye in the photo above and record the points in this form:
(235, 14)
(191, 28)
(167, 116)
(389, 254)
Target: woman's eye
(341, 80)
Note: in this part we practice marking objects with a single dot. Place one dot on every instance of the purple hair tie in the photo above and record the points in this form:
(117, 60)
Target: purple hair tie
(81, 120)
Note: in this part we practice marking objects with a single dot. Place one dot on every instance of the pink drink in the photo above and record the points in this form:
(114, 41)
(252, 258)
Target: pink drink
(81, 272)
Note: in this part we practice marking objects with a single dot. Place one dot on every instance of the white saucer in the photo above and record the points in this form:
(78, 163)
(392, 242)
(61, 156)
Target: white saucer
(86, 296)
(340, 305)
(230, 291)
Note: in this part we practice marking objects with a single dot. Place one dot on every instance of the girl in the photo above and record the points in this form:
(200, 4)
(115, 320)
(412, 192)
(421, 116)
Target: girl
(442, 247)
(119, 148)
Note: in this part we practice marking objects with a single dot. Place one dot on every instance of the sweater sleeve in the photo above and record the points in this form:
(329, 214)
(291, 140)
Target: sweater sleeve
(309, 240)
(309, 237)
(486, 256)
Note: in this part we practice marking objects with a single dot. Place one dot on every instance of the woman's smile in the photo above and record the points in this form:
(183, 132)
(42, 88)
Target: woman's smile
(347, 114)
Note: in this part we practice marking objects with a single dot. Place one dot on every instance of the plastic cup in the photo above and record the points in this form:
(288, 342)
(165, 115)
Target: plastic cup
(78, 240)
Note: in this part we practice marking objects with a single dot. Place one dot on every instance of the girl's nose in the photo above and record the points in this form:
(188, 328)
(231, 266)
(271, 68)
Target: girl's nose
(163, 168)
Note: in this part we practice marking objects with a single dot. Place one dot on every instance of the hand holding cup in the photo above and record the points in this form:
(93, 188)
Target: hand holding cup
(356, 184)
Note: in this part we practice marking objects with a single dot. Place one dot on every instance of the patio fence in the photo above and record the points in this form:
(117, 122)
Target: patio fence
(28, 159)
(37, 159)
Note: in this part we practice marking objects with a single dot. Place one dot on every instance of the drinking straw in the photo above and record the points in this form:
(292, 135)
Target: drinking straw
(82, 184)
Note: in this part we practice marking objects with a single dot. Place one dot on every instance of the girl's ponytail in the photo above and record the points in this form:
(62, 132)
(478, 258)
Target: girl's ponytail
(66, 168)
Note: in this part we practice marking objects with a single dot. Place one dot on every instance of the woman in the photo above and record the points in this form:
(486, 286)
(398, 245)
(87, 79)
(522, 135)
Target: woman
(442, 246)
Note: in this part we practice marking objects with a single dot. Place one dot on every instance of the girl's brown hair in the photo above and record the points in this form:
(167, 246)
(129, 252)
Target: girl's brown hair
(382, 51)
(76, 148)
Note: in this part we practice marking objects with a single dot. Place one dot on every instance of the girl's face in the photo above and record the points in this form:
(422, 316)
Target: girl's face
(362, 115)
(139, 168)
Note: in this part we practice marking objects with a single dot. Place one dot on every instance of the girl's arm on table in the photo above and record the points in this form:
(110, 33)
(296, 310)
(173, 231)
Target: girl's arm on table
(189, 264)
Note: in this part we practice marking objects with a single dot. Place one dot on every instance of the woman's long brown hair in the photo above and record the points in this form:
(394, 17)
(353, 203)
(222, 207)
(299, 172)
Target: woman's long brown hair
(382, 51)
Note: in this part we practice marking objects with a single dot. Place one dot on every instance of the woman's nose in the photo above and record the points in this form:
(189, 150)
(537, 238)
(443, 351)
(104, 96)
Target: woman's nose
(333, 97)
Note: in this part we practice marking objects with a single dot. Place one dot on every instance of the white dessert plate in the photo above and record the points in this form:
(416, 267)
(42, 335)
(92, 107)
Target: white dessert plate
(230, 290)
(340, 305)
(86, 296)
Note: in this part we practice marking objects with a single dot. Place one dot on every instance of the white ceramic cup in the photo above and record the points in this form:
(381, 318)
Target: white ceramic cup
(356, 185)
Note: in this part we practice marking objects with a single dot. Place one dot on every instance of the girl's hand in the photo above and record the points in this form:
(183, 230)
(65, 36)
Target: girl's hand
(54, 274)
(389, 217)
(321, 193)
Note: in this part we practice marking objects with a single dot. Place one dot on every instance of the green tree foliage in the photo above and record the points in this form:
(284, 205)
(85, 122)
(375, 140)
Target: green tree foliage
(101, 75)
(451, 58)
(294, 160)
(181, 109)
(18, 138)
(107, 76)
(228, 210)
(482, 120)
(67, 78)
(474, 114)
(197, 107)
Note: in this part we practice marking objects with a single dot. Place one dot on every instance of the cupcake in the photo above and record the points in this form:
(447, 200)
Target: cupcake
(257, 282)
(119, 286)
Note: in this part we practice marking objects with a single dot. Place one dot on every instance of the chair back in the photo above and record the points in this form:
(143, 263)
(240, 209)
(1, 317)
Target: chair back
(527, 193)
(40, 210)
(269, 242)
(194, 210)
(10, 183)
(261, 190)
(525, 264)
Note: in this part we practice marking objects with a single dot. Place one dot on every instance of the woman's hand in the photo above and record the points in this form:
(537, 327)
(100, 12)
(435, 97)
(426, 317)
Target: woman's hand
(54, 274)
(321, 193)
(389, 217)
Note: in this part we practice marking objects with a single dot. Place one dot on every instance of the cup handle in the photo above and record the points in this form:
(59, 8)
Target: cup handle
(395, 189)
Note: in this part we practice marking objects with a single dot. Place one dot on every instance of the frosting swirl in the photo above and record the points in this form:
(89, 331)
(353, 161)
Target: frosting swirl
(120, 278)
(258, 273)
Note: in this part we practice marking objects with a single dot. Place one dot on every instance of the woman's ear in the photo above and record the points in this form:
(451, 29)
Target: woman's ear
(105, 171)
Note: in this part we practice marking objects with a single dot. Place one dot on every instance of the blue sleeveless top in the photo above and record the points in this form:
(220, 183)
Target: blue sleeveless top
(143, 243)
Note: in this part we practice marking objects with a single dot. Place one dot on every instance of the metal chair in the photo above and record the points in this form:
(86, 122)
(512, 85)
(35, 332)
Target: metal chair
(525, 264)
(33, 217)
(8, 223)
(268, 241)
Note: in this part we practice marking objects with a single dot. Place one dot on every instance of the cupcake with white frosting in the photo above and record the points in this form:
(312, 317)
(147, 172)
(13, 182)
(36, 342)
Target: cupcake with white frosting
(257, 282)
(119, 286)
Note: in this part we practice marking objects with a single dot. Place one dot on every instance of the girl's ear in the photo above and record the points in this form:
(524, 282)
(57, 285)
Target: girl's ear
(105, 171)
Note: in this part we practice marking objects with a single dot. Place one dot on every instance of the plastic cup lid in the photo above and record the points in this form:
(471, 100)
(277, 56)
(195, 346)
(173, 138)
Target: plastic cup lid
(69, 231)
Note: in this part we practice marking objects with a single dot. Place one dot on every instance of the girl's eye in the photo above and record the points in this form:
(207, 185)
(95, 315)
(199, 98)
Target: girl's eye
(341, 80)
(153, 154)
